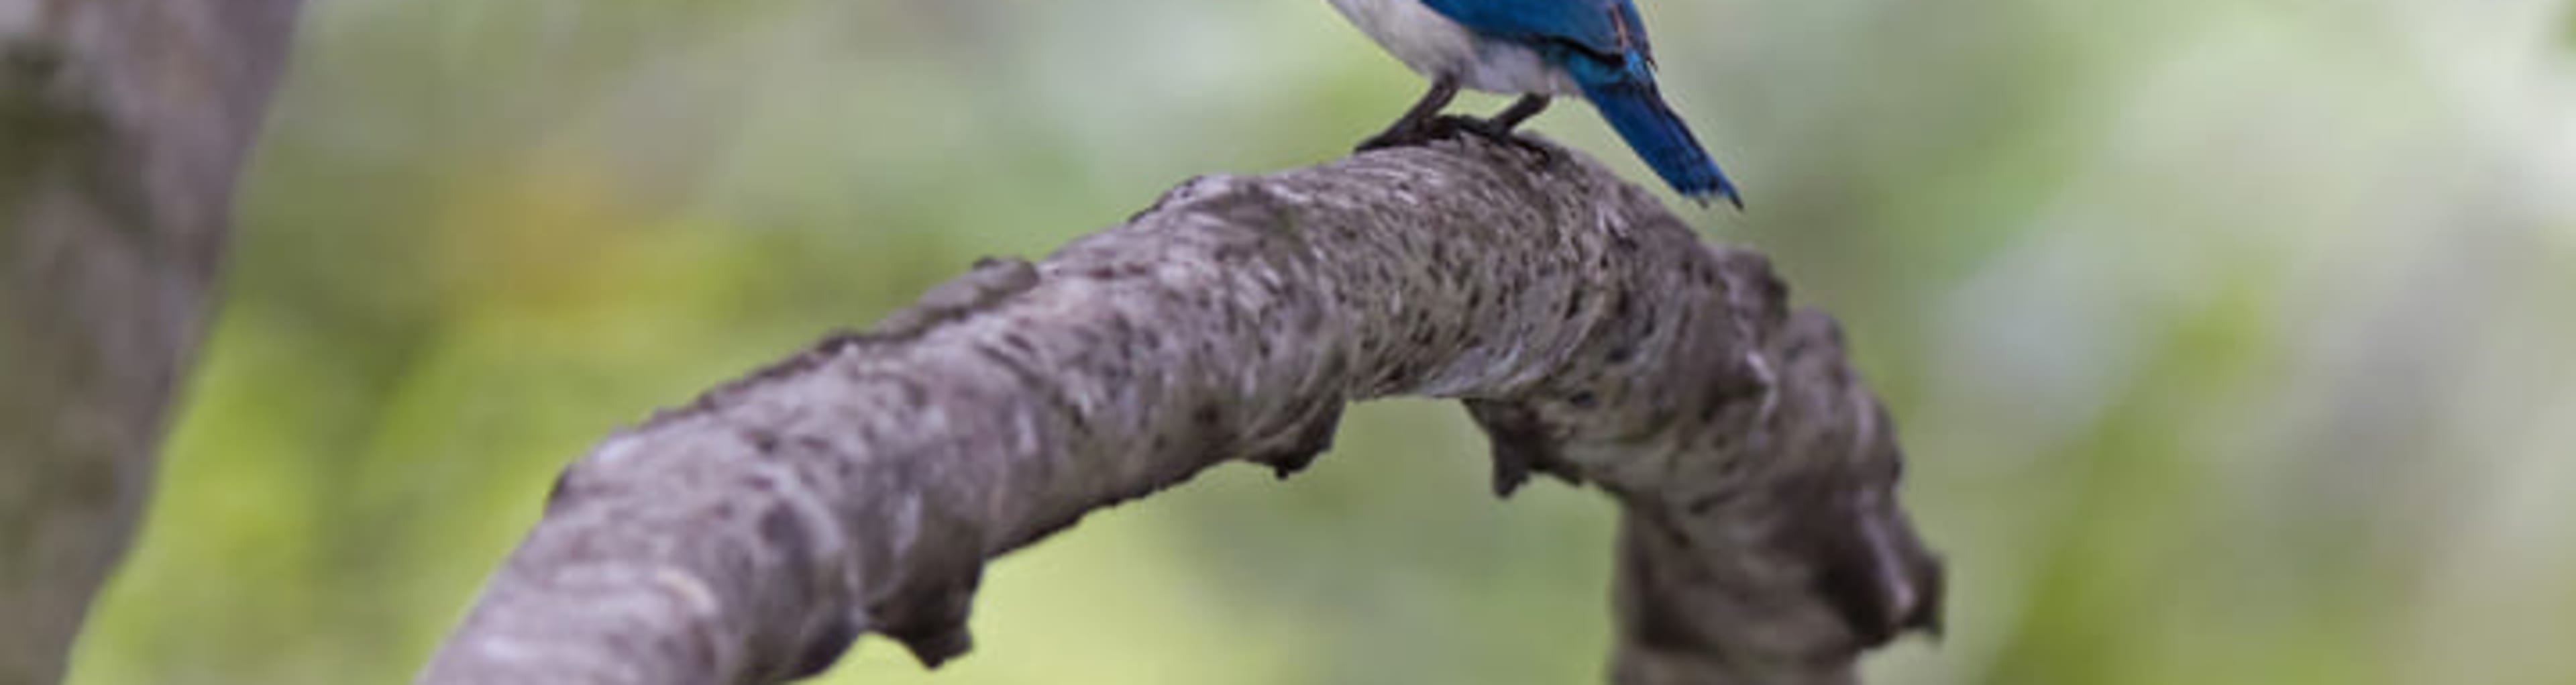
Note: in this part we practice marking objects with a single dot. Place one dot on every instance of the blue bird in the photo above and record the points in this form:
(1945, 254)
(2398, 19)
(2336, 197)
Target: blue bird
(1538, 49)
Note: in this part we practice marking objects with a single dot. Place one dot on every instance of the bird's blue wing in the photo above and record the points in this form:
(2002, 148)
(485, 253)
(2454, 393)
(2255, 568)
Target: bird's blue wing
(1606, 28)
(1602, 45)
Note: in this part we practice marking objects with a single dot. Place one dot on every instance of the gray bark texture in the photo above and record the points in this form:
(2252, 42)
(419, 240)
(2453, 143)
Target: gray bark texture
(122, 126)
(861, 485)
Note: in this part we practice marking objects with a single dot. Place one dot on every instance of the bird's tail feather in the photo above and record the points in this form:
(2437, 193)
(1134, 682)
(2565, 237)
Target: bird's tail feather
(1636, 109)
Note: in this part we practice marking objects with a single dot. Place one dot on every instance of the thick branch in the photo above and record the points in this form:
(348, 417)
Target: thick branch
(122, 126)
(861, 485)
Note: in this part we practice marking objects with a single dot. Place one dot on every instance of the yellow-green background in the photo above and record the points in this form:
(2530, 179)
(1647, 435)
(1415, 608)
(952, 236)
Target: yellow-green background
(2234, 340)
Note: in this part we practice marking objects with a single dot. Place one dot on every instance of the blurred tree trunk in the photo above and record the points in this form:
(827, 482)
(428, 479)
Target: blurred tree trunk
(123, 124)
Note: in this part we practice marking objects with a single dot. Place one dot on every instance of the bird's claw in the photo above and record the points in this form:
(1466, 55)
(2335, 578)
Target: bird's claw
(1413, 133)
(1453, 126)
(1499, 134)
(1393, 138)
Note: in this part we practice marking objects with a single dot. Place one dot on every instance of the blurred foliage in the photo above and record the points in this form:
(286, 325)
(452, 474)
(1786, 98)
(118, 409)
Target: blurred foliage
(2232, 339)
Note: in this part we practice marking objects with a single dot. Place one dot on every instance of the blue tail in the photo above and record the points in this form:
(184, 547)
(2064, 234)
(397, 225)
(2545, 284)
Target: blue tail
(1629, 100)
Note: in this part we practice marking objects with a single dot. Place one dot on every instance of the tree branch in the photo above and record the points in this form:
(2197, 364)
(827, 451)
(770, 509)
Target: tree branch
(122, 127)
(860, 486)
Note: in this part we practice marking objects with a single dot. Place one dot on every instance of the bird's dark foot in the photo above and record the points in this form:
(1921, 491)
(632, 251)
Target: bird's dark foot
(1402, 136)
(1501, 133)
(1453, 126)
(1413, 133)
(1420, 124)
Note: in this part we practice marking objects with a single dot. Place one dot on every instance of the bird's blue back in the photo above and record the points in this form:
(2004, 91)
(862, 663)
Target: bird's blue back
(1608, 29)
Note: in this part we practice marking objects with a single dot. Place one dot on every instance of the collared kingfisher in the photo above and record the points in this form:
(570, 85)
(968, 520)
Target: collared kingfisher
(1538, 49)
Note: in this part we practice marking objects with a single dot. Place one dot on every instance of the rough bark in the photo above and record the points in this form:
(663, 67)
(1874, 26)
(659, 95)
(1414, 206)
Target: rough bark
(122, 126)
(860, 486)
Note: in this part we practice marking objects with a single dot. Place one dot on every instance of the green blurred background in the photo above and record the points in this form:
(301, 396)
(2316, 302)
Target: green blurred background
(2234, 341)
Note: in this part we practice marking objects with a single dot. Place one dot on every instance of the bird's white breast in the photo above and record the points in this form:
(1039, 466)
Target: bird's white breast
(1436, 46)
